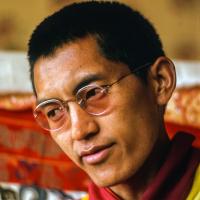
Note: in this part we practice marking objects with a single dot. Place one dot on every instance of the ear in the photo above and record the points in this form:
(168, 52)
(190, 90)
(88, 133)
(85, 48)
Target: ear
(163, 77)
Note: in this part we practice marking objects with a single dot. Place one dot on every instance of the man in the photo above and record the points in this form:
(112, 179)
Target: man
(102, 82)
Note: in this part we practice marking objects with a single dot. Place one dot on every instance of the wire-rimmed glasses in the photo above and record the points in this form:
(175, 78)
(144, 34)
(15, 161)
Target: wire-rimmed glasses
(52, 114)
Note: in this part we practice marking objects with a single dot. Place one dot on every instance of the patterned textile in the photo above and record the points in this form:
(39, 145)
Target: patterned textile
(28, 155)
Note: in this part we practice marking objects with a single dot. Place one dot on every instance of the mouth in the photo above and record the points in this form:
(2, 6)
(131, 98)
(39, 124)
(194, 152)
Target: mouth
(96, 154)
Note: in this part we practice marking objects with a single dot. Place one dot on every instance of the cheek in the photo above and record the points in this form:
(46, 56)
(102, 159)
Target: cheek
(64, 142)
(133, 120)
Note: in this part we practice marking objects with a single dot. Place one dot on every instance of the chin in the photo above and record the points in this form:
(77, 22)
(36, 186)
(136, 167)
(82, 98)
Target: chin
(104, 179)
(104, 183)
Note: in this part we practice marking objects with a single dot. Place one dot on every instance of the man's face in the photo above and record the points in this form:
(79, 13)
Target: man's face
(111, 147)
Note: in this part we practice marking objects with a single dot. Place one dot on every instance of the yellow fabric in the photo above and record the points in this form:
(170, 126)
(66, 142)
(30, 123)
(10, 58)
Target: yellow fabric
(195, 192)
(86, 197)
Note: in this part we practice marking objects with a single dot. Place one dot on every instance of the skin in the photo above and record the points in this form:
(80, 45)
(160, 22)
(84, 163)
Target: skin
(131, 132)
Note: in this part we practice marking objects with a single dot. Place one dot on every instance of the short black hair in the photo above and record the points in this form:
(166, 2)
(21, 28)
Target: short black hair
(123, 34)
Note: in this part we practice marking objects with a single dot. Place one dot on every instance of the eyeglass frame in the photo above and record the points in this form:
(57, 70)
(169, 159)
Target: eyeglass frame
(106, 87)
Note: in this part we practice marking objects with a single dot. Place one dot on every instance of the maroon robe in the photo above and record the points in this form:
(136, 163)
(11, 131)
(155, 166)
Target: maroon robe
(173, 180)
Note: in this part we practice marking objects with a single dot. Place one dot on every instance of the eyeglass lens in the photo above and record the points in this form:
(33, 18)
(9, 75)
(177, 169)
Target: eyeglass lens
(52, 115)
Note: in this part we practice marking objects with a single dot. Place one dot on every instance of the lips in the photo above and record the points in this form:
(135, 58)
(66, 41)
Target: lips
(96, 154)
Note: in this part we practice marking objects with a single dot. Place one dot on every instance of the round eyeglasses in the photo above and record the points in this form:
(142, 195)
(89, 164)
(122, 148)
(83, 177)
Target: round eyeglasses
(52, 114)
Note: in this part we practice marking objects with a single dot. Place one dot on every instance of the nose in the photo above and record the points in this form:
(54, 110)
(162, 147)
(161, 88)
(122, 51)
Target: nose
(83, 125)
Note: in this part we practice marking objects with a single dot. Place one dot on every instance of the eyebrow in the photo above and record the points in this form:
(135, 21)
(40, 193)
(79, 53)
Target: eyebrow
(84, 82)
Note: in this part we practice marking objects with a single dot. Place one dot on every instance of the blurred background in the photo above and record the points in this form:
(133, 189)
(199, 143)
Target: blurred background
(31, 165)
(177, 22)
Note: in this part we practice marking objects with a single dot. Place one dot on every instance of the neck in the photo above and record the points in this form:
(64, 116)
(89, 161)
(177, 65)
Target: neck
(133, 188)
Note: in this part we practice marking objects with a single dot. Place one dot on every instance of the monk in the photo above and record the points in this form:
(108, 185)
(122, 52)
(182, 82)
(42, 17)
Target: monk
(102, 81)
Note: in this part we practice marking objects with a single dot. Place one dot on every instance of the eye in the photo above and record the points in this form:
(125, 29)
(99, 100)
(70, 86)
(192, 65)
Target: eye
(92, 92)
(54, 112)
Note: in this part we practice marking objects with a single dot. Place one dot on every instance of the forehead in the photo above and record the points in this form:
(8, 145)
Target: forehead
(70, 64)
